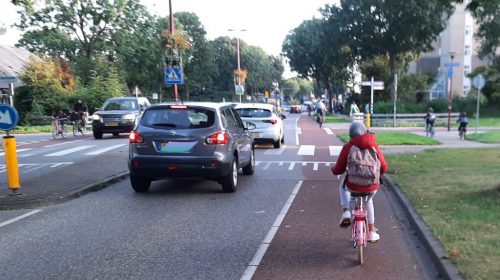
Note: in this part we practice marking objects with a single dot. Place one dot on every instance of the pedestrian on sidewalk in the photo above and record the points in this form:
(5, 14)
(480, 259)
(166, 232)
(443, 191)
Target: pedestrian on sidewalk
(430, 117)
(361, 142)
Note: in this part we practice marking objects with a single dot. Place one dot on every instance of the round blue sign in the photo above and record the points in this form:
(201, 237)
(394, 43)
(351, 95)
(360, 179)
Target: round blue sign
(8, 117)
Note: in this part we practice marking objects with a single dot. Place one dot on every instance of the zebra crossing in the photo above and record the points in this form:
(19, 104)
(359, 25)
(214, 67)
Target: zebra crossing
(303, 150)
(87, 150)
(291, 165)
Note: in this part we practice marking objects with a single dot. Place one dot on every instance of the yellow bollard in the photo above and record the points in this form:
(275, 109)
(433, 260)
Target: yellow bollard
(9, 143)
(367, 120)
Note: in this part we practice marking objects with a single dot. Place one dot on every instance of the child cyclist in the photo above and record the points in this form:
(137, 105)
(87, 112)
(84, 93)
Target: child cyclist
(362, 140)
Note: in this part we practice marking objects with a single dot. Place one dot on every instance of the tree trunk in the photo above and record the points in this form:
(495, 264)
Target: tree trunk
(393, 65)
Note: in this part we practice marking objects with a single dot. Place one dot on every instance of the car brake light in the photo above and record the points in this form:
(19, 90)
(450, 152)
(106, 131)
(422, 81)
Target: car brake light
(270, 121)
(218, 138)
(135, 137)
(178, 107)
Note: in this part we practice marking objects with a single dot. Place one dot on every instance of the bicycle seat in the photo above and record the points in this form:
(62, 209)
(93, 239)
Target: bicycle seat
(356, 194)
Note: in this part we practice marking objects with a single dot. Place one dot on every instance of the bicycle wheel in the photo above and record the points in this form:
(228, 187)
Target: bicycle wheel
(75, 128)
(64, 131)
(83, 127)
(361, 259)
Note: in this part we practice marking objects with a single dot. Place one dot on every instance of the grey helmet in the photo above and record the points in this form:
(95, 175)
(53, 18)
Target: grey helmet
(357, 129)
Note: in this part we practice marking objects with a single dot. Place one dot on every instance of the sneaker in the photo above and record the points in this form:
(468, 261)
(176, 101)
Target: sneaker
(345, 221)
(373, 237)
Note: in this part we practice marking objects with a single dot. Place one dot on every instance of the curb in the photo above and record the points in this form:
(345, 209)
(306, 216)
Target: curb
(434, 248)
(71, 194)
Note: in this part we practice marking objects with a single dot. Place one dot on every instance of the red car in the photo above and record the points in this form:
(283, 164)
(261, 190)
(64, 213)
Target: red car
(295, 109)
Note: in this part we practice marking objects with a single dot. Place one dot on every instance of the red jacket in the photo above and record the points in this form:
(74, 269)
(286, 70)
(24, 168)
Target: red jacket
(363, 141)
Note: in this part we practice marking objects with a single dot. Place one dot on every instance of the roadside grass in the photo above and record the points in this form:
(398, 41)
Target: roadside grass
(484, 122)
(457, 193)
(485, 137)
(397, 138)
(31, 129)
(336, 119)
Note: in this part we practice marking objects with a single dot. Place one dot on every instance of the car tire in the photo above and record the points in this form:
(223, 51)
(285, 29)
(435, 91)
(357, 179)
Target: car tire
(277, 144)
(116, 133)
(97, 134)
(250, 167)
(283, 139)
(230, 181)
(140, 184)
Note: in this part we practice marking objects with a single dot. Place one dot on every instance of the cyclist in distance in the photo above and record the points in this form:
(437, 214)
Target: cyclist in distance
(463, 122)
(81, 108)
(360, 138)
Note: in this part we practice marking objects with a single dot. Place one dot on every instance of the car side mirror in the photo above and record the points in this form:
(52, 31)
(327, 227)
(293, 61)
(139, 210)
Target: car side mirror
(250, 126)
(283, 117)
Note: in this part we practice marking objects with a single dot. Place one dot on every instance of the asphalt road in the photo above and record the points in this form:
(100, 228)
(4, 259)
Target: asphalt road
(191, 230)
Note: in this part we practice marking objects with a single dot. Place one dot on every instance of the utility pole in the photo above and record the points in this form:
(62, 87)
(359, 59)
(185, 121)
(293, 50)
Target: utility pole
(172, 30)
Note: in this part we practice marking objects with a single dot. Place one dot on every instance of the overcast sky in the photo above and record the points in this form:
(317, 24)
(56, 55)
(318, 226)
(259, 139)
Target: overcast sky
(267, 22)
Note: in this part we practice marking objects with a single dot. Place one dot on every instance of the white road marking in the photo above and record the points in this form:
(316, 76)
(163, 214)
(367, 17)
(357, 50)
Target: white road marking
(315, 166)
(63, 143)
(100, 151)
(261, 251)
(267, 165)
(328, 131)
(299, 131)
(292, 165)
(69, 151)
(306, 150)
(18, 150)
(335, 150)
(275, 151)
(19, 218)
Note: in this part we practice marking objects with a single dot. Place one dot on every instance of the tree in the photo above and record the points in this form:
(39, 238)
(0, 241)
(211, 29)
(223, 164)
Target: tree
(376, 27)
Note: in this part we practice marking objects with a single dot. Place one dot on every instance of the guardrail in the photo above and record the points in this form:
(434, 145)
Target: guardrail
(411, 119)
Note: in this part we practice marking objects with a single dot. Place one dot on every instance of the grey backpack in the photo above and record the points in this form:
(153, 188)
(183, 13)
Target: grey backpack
(363, 167)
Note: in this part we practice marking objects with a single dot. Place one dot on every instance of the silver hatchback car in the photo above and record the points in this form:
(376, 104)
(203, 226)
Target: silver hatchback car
(270, 127)
(198, 140)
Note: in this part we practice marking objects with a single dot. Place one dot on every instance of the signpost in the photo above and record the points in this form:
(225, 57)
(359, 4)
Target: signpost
(374, 85)
(8, 120)
(478, 82)
(451, 64)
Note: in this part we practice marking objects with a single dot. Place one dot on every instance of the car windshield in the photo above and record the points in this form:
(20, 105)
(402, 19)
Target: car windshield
(178, 118)
(254, 113)
(111, 105)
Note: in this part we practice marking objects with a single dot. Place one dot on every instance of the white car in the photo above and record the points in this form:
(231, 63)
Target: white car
(270, 127)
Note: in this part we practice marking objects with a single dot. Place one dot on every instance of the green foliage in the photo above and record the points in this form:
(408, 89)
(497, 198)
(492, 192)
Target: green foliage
(485, 137)
(397, 138)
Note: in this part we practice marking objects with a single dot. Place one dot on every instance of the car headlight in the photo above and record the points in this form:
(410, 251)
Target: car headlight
(96, 117)
(129, 117)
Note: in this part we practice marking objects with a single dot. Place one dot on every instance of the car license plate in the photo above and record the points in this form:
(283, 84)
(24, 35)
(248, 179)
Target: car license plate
(255, 134)
(111, 124)
(175, 147)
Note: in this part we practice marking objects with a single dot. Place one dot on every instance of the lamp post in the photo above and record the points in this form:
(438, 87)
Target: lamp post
(450, 74)
(172, 30)
(238, 49)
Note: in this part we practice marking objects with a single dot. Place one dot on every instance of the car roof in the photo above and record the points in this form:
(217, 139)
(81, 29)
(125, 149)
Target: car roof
(254, 105)
(126, 98)
(213, 105)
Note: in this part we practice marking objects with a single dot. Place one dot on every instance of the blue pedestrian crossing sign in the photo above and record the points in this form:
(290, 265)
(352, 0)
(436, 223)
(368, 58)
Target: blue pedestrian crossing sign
(173, 75)
(8, 117)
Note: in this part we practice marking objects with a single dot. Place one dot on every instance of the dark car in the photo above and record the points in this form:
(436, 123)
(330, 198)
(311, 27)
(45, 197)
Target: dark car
(198, 140)
(118, 115)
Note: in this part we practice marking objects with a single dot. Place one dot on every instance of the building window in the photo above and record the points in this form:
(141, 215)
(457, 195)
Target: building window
(466, 52)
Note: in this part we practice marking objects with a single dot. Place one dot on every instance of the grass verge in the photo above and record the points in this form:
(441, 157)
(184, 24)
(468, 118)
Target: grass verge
(397, 138)
(457, 193)
(31, 129)
(486, 137)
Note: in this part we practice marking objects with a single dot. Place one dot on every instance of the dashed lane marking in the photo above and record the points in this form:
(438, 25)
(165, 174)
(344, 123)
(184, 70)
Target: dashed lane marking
(69, 151)
(19, 218)
(100, 151)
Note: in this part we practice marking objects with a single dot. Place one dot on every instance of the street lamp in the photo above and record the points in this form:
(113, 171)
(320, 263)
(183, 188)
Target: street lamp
(238, 49)
(450, 75)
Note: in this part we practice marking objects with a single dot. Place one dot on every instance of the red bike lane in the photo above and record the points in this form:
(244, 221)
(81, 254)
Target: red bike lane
(309, 244)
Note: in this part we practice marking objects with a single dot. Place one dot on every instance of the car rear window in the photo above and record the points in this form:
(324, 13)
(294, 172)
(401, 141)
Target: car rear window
(111, 105)
(179, 118)
(254, 113)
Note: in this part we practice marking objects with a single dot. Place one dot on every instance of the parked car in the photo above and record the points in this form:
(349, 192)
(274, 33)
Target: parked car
(270, 127)
(198, 140)
(118, 115)
(295, 109)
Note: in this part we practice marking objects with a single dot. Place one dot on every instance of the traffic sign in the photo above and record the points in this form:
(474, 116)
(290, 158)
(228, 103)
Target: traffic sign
(376, 85)
(450, 73)
(479, 81)
(452, 64)
(239, 89)
(173, 75)
(8, 117)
